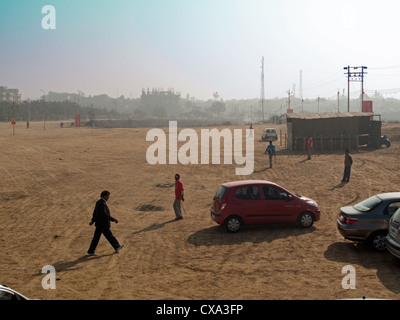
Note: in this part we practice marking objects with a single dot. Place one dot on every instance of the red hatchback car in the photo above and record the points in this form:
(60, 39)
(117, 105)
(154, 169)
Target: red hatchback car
(261, 202)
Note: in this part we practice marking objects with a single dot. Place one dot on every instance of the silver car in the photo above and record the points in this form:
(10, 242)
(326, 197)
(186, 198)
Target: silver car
(393, 237)
(270, 134)
(368, 221)
(7, 293)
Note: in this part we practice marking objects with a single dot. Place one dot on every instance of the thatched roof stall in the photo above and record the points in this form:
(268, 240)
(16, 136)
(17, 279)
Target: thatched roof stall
(332, 131)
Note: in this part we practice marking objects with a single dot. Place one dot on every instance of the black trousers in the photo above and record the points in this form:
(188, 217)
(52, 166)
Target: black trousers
(346, 174)
(96, 237)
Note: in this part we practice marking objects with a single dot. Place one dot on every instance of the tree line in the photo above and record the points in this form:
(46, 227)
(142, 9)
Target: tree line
(49, 110)
(250, 110)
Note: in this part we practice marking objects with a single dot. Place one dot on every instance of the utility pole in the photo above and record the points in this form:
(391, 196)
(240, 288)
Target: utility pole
(362, 86)
(348, 87)
(44, 109)
(301, 85)
(355, 74)
(262, 88)
(13, 115)
(29, 114)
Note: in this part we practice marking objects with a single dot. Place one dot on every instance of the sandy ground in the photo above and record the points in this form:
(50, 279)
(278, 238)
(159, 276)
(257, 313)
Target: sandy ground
(51, 179)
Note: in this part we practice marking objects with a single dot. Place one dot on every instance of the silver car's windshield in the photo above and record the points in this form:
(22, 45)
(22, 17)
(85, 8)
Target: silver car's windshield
(368, 204)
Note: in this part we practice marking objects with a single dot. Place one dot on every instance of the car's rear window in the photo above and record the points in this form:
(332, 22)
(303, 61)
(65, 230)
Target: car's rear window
(368, 204)
(221, 192)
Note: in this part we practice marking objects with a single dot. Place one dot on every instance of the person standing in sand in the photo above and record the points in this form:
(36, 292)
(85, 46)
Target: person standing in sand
(348, 162)
(251, 131)
(309, 147)
(178, 197)
(101, 218)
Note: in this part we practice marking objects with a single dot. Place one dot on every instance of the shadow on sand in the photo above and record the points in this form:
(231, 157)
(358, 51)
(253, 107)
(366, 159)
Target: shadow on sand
(155, 226)
(386, 265)
(340, 185)
(217, 235)
(61, 266)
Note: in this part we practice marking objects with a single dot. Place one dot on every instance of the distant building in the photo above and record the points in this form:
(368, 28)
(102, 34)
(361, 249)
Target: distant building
(333, 131)
(161, 103)
(9, 95)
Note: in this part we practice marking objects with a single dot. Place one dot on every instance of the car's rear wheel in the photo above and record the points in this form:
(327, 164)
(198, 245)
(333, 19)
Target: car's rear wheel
(306, 220)
(378, 241)
(233, 224)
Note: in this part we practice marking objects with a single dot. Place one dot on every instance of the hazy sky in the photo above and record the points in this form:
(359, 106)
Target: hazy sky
(198, 47)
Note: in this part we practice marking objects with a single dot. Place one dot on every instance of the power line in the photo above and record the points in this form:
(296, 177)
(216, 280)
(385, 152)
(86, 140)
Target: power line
(325, 81)
(385, 68)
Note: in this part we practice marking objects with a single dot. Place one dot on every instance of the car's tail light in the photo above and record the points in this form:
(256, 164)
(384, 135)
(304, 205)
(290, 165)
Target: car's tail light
(346, 220)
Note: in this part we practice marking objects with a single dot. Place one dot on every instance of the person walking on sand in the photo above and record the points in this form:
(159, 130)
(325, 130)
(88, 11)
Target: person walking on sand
(178, 197)
(309, 147)
(101, 218)
(271, 153)
(348, 162)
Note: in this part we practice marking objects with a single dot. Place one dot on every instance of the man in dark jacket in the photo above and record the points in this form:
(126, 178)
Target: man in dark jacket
(101, 218)
(348, 162)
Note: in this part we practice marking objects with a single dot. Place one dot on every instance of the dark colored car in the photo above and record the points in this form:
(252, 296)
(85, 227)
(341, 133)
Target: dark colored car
(368, 221)
(393, 237)
(260, 202)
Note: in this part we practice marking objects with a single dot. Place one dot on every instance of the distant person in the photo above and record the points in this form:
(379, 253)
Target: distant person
(309, 147)
(27, 124)
(348, 162)
(271, 153)
(101, 218)
(178, 197)
(251, 131)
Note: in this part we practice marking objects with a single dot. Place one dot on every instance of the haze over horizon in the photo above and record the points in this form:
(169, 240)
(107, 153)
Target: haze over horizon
(199, 47)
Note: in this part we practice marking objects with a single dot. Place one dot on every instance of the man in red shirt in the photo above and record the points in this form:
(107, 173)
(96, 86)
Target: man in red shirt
(178, 197)
(309, 147)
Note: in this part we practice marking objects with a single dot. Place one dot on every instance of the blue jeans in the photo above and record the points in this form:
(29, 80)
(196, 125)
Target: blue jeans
(96, 237)
(270, 159)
